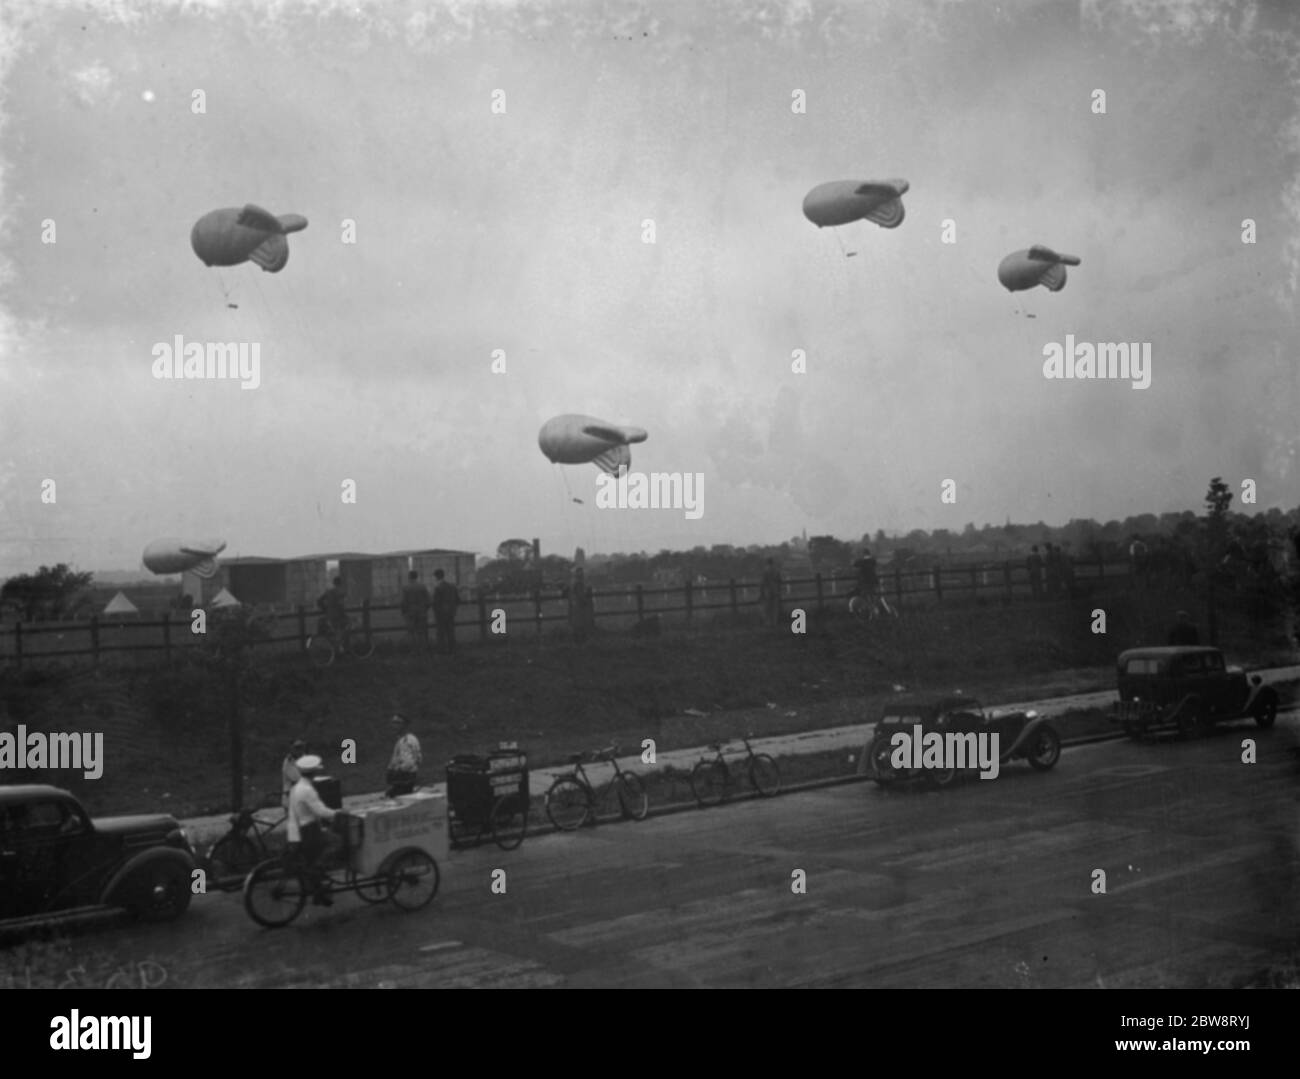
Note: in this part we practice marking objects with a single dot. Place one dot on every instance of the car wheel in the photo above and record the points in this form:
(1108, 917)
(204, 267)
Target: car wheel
(1189, 720)
(1266, 710)
(160, 892)
(1044, 748)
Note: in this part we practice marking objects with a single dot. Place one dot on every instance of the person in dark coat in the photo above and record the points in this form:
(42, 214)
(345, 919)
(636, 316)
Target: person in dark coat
(415, 609)
(1035, 564)
(445, 601)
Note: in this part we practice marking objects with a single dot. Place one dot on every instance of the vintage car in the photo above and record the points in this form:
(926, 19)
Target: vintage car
(954, 719)
(1186, 687)
(55, 860)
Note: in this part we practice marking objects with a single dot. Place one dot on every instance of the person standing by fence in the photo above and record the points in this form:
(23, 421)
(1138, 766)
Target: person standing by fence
(769, 593)
(446, 599)
(1035, 564)
(415, 609)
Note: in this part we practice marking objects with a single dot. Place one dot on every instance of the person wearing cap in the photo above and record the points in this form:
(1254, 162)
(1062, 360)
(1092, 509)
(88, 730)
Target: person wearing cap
(289, 774)
(404, 766)
(307, 839)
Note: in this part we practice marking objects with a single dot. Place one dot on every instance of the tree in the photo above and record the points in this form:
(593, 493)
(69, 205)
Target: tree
(515, 550)
(50, 594)
(1217, 500)
(827, 553)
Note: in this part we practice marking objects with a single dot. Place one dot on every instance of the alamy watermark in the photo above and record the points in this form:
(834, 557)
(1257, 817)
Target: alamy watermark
(213, 360)
(1117, 360)
(947, 750)
(652, 491)
(72, 751)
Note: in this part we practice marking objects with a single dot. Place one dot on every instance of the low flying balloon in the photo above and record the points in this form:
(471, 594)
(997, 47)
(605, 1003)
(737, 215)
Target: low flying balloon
(842, 201)
(178, 556)
(1036, 265)
(251, 234)
(576, 440)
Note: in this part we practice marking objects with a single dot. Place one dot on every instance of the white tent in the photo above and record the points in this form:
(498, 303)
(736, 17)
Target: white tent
(223, 599)
(119, 604)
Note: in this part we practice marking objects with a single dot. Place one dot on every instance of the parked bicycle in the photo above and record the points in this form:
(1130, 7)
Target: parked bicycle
(233, 856)
(327, 643)
(572, 800)
(713, 779)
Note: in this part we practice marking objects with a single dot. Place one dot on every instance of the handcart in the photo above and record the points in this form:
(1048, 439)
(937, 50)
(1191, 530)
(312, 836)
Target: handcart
(488, 795)
(390, 853)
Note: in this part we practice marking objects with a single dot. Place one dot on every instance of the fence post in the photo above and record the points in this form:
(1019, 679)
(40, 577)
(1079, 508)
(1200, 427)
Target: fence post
(94, 635)
(302, 627)
(640, 605)
(898, 587)
(482, 615)
(974, 582)
(167, 637)
(1006, 577)
(938, 584)
(365, 618)
(821, 601)
(18, 643)
(537, 611)
(690, 600)
(1101, 569)
(734, 609)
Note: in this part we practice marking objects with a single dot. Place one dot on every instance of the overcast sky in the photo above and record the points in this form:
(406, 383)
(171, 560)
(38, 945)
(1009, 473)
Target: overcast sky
(522, 231)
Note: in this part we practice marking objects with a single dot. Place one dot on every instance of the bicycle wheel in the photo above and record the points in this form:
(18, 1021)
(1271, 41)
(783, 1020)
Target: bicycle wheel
(233, 855)
(568, 804)
(413, 878)
(360, 645)
(632, 797)
(509, 821)
(372, 889)
(321, 650)
(274, 894)
(764, 776)
(709, 782)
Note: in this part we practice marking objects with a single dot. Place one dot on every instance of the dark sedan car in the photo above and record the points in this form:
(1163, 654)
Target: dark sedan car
(1186, 687)
(54, 859)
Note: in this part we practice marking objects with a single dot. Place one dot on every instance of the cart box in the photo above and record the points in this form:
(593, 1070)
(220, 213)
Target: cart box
(409, 820)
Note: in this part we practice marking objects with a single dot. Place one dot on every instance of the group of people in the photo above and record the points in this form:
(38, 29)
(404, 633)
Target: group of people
(310, 840)
(415, 606)
(1050, 573)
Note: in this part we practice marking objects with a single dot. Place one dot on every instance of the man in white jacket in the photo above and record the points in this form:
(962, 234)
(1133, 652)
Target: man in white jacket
(307, 838)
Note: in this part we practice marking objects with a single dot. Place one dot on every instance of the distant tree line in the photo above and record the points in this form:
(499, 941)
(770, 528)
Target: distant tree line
(1237, 550)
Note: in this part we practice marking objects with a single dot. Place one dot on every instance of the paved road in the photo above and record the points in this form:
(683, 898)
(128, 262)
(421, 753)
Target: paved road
(205, 830)
(986, 884)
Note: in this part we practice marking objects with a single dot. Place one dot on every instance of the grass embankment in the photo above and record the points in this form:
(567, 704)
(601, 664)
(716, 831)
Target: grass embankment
(167, 743)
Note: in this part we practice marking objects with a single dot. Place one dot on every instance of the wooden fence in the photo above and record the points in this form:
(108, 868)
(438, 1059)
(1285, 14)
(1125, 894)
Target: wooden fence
(619, 607)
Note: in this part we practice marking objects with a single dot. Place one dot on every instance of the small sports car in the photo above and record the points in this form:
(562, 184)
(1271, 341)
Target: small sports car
(941, 738)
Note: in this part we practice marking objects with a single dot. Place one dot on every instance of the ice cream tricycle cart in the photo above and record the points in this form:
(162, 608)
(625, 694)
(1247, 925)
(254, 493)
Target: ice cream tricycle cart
(390, 853)
(488, 796)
